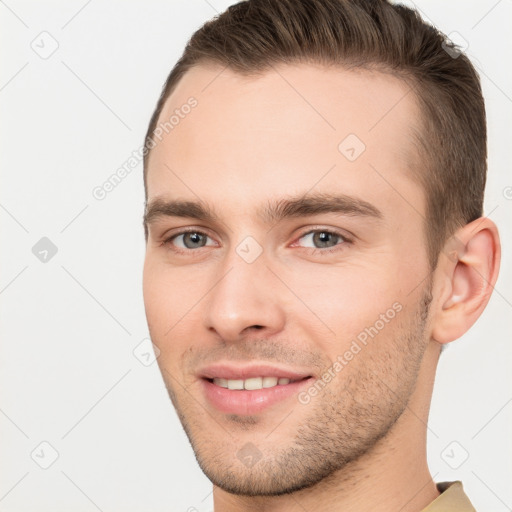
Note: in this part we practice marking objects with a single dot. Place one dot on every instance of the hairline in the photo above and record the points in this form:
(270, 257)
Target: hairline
(419, 130)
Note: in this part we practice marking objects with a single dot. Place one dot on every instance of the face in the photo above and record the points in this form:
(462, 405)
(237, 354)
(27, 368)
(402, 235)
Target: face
(285, 265)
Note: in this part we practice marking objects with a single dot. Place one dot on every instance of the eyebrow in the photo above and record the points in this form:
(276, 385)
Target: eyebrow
(274, 211)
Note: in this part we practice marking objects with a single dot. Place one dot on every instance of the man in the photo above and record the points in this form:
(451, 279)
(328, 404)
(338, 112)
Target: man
(314, 182)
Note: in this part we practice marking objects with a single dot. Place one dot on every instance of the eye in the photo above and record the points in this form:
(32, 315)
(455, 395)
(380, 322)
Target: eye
(321, 239)
(190, 240)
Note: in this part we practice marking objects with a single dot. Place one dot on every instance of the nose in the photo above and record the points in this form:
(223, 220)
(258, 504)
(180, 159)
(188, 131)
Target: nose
(244, 298)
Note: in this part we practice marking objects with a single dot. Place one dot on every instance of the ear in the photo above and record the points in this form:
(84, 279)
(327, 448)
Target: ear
(467, 270)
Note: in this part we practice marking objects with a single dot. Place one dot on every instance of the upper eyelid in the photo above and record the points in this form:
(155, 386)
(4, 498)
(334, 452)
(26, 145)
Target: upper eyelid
(183, 231)
(342, 234)
(344, 239)
(203, 231)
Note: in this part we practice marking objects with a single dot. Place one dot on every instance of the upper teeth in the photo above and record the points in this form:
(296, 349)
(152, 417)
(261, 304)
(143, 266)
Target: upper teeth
(252, 383)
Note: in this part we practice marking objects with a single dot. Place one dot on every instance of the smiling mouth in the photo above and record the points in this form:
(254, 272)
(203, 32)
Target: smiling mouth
(252, 394)
(253, 383)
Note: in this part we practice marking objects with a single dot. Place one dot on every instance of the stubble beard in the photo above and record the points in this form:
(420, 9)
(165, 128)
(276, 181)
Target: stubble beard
(345, 421)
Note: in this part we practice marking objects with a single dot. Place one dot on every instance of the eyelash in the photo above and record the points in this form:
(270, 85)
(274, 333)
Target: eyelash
(344, 240)
(188, 252)
(313, 250)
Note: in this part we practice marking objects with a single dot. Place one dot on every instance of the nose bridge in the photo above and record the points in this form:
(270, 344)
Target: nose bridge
(242, 295)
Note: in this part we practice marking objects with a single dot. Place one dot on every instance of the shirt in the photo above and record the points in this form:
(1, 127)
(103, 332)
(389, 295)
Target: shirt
(452, 499)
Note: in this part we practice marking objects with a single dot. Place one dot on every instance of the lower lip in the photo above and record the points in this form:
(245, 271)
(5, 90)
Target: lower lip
(243, 401)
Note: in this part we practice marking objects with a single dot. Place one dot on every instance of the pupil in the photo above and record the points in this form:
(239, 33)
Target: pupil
(324, 239)
(193, 240)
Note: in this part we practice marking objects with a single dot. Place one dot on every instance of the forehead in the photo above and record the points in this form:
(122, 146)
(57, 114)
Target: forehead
(289, 129)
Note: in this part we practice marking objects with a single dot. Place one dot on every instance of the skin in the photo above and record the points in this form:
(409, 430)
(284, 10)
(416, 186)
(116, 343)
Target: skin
(360, 443)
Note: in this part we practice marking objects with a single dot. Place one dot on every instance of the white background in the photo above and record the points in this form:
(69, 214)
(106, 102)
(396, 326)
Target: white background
(69, 326)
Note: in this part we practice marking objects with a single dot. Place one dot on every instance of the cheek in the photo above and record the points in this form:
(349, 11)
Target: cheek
(155, 299)
(164, 302)
(348, 300)
(169, 293)
(172, 303)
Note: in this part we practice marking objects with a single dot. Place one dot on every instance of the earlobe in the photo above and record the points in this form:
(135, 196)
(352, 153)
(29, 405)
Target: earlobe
(469, 273)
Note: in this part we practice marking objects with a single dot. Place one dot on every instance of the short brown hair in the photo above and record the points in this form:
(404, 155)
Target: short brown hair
(251, 36)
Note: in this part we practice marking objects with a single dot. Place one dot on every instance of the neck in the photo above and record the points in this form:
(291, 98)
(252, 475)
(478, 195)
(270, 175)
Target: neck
(393, 476)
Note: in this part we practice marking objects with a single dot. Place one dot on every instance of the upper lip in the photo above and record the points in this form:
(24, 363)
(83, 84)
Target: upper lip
(241, 371)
